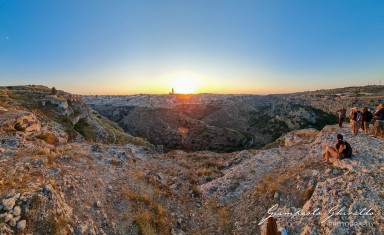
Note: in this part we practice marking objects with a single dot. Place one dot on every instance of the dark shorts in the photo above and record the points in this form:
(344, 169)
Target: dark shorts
(343, 156)
(378, 125)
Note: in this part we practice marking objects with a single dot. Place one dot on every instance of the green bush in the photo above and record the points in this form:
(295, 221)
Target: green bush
(81, 127)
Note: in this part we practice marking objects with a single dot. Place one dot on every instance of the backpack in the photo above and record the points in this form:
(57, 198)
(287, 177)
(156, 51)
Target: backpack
(347, 153)
(379, 115)
(359, 116)
(368, 116)
(352, 116)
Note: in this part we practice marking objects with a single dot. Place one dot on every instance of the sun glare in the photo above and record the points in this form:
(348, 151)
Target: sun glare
(184, 85)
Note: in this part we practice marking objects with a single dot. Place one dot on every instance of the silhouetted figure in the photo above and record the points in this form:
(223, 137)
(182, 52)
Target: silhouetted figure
(379, 121)
(342, 112)
(353, 120)
(367, 117)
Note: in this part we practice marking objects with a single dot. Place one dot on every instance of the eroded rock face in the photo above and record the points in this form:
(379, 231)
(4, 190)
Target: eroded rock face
(207, 122)
(348, 204)
(61, 104)
(41, 206)
(353, 186)
(305, 136)
(95, 188)
(20, 121)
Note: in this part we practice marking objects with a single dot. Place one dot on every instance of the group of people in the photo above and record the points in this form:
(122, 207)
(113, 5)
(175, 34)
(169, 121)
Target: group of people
(342, 149)
(358, 119)
(361, 119)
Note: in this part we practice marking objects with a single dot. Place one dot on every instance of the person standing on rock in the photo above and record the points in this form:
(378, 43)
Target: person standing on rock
(379, 121)
(359, 121)
(367, 117)
(341, 150)
(342, 112)
(353, 120)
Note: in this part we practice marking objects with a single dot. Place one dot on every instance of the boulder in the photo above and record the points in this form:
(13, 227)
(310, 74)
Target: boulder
(8, 217)
(23, 121)
(9, 203)
(5, 229)
(10, 143)
(298, 137)
(21, 225)
(17, 211)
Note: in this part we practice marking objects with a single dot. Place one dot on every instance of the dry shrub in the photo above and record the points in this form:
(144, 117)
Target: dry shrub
(49, 138)
(205, 171)
(8, 183)
(138, 198)
(187, 165)
(137, 174)
(126, 217)
(223, 216)
(160, 188)
(191, 177)
(115, 161)
(50, 161)
(144, 220)
(159, 210)
(54, 184)
(151, 216)
(152, 221)
(307, 194)
(195, 191)
(271, 183)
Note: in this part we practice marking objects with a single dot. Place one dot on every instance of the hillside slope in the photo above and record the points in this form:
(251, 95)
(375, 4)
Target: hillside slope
(85, 188)
(208, 122)
(54, 184)
(60, 117)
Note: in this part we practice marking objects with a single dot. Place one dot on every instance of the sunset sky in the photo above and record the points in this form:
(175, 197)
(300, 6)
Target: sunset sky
(222, 46)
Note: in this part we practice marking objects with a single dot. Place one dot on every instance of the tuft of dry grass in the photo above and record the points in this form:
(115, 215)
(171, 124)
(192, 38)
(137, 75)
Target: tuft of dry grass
(9, 183)
(195, 191)
(307, 194)
(115, 161)
(152, 221)
(50, 161)
(149, 215)
(138, 198)
(205, 171)
(137, 174)
(59, 225)
(145, 222)
(159, 210)
(223, 215)
(272, 182)
(54, 184)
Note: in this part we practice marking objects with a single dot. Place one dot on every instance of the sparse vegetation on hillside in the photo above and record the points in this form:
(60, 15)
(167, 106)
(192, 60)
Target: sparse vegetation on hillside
(63, 111)
(49, 185)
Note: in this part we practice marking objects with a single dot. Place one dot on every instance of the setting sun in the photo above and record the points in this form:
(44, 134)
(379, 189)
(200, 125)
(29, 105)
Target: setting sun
(184, 85)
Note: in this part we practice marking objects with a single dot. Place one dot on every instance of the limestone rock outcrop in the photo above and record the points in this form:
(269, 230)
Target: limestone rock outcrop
(15, 120)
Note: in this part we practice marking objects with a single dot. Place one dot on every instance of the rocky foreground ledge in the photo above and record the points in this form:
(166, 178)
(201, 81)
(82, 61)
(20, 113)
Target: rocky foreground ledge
(50, 184)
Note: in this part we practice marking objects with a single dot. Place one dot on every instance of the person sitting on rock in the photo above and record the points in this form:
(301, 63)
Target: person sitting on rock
(341, 150)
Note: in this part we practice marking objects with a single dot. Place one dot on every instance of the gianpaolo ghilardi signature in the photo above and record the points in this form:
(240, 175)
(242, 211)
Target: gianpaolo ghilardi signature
(334, 211)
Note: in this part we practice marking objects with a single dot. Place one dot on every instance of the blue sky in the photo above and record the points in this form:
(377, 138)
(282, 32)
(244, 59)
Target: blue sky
(125, 47)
